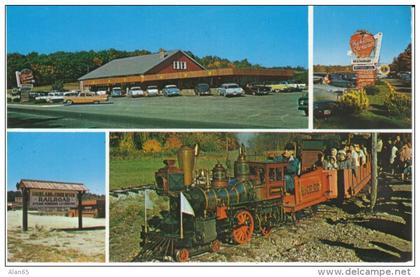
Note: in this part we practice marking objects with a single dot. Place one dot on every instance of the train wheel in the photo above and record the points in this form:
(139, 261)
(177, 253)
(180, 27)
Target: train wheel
(215, 246)
(182, 255)
(242, 232)
(265, 231)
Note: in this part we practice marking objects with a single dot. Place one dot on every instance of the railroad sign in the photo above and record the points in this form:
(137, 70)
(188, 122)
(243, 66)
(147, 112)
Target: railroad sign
(52, 199)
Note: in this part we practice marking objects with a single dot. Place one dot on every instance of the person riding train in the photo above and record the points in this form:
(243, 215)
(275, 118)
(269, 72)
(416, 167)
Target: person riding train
(293, 166)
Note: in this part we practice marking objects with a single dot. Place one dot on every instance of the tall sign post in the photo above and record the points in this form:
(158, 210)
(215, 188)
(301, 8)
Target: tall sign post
(366, 49)
(25, 81)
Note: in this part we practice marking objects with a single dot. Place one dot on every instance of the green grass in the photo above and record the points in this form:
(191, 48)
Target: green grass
(376, 117)
(133, 173)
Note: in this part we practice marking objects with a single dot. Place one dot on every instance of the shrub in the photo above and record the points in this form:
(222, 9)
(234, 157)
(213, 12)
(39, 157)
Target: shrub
(58, 85)
(172, 144)
(354, 101)
(398, 104)
(371, 90)
(152, 146)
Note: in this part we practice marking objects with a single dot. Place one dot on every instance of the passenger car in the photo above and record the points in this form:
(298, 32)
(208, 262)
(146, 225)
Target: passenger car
(170, 90)
(152, 91)
(257, 89)
(86, 98)
(202, 89)
(324, 109)
(116, 92)
(230, 89)
(136, 92)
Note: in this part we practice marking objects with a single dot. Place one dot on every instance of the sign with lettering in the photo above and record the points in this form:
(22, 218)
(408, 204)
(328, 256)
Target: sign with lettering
(52, 199)
(362, 44)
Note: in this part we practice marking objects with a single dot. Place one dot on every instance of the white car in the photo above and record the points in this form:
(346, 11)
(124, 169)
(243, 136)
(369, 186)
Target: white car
(136, 92)
(54, 97)
(101, 92)
(230, 90)
(152, 91)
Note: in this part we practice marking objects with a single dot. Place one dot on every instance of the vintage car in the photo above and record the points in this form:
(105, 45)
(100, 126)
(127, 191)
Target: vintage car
(230, 90)
(136, 92)
(116, 92)
(257, 89)
(170, 90)
(86, 98)
(324, 109)
(303, 104)
(152, 91)
(202, 89)
(288, 86)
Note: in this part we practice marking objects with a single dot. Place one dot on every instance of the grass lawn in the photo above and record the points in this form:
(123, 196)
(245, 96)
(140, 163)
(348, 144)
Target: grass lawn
(134, 173)
(376, 117)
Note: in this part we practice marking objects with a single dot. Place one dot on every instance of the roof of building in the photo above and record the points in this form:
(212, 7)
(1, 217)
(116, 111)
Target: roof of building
(53, 185)
(130, 66)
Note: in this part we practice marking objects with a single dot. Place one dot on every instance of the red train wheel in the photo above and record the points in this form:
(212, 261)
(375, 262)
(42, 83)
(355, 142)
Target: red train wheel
(215, 246)
(242, 232)
(182, 255)
(265, 231)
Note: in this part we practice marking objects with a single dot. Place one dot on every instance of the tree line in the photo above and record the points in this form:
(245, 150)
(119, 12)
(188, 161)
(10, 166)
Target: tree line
(69, 66)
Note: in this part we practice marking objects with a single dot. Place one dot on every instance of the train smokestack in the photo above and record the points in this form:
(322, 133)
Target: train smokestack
(186, 161)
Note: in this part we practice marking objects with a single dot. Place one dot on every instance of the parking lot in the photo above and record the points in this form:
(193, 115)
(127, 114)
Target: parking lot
(270, 111)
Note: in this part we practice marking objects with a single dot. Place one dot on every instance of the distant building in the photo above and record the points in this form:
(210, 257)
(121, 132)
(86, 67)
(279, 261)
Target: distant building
(172, 67)
(91, 208)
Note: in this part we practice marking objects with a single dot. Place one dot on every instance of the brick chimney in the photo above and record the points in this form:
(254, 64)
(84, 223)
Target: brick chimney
(162, 53)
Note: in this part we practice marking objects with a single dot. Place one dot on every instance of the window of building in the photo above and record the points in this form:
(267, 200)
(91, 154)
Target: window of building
(179, 65)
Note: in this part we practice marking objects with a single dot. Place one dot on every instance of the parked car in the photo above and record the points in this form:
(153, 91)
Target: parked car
(101, 92)
(202, 89)
(86, 98)
(230, 89)
(324, 109)
(116, 92)
(136, 92)
(152, 91)
(55, 97)
(257, 89)
(71, 93)
(288, 86)
(303, 104)
(170, 90)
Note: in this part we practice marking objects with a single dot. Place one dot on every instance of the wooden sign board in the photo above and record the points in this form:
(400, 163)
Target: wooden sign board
(52, 199)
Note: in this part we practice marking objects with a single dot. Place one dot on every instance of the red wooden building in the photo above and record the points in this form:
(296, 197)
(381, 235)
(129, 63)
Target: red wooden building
(172, 67)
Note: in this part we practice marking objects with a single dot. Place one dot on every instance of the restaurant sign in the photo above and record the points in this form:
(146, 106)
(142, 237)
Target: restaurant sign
(52, 199)
(362, 44)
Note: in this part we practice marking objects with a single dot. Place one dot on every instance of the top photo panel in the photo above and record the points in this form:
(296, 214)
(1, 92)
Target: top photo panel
(362, 67)
(233, 67)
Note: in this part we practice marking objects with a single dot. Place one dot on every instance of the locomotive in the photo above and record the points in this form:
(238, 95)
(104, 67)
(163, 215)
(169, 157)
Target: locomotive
(234, 209)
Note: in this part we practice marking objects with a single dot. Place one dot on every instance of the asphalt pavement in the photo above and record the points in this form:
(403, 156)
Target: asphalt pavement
(253, 112)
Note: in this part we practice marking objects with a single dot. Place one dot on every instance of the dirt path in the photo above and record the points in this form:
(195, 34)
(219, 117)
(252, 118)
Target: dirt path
(42, 243)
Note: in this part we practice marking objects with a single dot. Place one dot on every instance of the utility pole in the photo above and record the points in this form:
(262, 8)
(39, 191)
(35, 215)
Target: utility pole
(374, 188)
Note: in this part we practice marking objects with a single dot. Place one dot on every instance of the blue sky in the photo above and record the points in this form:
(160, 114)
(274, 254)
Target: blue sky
(270, 36)
(333, 27)
(68, 157)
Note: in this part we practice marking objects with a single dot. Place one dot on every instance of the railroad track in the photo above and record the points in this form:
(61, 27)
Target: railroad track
(131, 190)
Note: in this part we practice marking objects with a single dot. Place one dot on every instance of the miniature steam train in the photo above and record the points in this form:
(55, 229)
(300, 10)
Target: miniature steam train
(234, 209)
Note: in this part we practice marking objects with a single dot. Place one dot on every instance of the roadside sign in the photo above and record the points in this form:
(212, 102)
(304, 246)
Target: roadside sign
(364, 67)
(52, 199)
(362, 44)
(362, 61)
